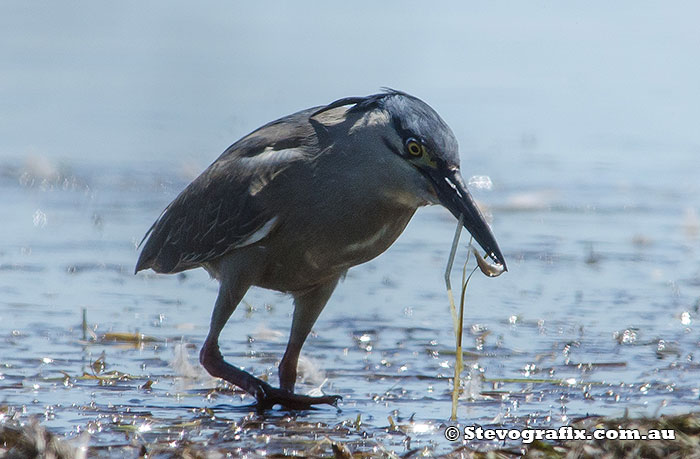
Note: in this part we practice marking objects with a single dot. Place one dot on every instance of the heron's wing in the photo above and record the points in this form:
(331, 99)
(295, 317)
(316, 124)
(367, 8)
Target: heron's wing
(222, 209)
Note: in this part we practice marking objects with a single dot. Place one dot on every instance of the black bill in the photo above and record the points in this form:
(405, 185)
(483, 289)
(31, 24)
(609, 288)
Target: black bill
(453, 194)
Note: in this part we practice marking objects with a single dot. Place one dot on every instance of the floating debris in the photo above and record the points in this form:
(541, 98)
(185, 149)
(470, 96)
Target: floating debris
(134, 338)
(33, 440)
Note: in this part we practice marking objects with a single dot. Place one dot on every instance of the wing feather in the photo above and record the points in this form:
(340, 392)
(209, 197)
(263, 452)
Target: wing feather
(224, 207)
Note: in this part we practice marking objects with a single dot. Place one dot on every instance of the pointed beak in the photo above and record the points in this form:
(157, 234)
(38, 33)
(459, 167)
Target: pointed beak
(453, 194)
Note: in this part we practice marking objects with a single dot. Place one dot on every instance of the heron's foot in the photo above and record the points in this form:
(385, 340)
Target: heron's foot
(268, 396)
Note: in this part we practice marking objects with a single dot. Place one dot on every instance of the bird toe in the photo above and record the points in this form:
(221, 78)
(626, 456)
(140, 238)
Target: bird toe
(268, 396)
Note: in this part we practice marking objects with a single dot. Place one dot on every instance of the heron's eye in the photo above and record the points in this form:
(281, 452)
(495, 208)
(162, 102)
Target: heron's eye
(414, 148)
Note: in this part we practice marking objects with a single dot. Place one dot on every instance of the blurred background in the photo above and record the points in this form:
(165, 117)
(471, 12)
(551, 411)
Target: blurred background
(167, 81)
(578, 123)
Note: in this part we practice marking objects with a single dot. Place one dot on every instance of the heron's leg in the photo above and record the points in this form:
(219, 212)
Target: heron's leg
(307, 307)
(210, 355)
(234, 284)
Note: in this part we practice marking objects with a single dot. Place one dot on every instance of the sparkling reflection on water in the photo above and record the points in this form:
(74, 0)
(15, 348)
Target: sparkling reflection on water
(597, 315)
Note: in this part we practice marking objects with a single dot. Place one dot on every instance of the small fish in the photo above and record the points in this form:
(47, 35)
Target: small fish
(491, 270)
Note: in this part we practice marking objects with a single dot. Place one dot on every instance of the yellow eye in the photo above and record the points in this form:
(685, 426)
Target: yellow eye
(414, 148)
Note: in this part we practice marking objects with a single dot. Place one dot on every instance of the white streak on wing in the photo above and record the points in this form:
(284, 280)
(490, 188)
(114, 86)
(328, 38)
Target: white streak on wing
(259, 234)
(269, 156)
(269, 163)
(367, 243)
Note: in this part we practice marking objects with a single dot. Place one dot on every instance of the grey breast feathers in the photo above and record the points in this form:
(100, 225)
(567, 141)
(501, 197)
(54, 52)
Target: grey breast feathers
(223, 208)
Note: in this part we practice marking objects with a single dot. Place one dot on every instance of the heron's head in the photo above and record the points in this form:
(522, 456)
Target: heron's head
(416, 134)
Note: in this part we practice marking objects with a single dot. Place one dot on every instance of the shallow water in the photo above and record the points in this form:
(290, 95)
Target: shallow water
(597, 314)
(585, 124)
